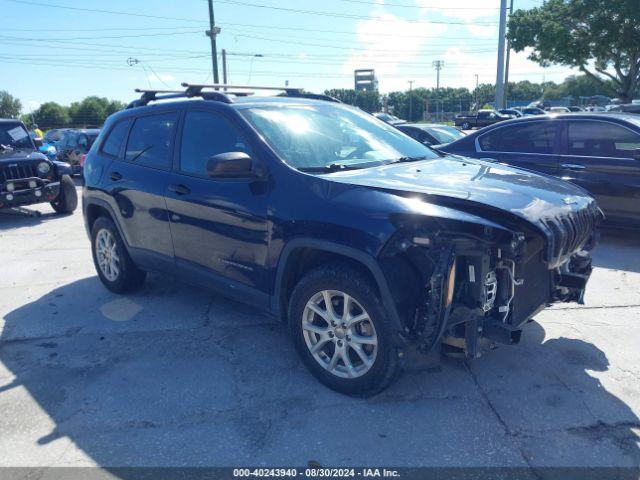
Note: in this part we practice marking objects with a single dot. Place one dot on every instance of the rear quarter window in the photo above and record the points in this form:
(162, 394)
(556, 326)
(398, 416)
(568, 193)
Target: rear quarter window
(112, 144)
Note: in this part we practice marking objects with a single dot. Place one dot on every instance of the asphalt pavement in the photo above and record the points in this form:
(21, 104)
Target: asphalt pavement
(176, 376)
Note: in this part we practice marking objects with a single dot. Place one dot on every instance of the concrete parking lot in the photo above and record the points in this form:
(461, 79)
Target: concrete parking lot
(176, 376)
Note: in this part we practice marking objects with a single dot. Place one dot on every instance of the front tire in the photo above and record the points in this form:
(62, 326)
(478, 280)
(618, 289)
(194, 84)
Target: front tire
(340, 330)
(112, 261)
(67, 199)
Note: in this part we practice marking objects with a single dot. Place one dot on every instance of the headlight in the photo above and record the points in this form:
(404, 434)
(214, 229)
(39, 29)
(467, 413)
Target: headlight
(43, 168)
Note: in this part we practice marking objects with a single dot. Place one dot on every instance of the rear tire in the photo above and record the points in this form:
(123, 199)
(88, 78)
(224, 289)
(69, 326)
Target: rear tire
(358, 360)
(67, 200)
(115, 268)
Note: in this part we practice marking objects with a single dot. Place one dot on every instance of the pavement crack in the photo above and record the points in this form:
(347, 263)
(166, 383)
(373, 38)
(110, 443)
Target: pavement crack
(501, 420)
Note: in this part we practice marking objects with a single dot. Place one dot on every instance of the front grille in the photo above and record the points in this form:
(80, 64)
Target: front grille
(17, 171)
(568, 233)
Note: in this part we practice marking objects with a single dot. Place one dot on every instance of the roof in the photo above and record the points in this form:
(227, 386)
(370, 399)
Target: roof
(10, 120)
(624, 117)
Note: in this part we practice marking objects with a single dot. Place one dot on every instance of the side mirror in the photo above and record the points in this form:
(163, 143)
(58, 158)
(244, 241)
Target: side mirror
(37, 141)
(231, 165)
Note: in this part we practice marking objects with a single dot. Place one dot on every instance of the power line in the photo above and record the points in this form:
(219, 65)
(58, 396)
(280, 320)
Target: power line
(342, 15)
(95, 10)
(245, 4)
(404, 5)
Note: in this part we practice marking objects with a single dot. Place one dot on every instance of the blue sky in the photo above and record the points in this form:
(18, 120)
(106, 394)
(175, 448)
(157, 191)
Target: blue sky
(64, 50)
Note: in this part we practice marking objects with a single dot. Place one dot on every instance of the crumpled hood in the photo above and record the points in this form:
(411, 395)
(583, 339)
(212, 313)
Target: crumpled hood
(462, 180)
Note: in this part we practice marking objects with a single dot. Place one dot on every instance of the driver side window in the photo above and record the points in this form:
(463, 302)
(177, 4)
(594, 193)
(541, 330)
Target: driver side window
(204, 135)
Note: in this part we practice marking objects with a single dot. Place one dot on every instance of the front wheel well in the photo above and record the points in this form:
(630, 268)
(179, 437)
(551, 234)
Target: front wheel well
(305, 259)
(93, 212)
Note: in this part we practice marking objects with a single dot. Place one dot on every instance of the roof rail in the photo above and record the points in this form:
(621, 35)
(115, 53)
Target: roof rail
(287, 91)
(196, 90)
(152, 95)
(200, 87)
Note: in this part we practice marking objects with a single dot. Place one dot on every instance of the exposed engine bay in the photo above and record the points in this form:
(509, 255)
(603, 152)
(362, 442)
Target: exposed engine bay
(461, 290)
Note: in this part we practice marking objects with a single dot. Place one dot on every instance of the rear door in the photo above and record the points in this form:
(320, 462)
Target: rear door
(532, 145)
(598, 155)
(219, 226)
(137, 181)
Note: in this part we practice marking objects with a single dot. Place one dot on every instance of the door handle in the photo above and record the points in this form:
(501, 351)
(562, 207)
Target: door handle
(179, 189)
(573, 166)
(115, 176)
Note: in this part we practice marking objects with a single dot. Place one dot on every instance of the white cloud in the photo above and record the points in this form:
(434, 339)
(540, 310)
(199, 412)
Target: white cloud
(467, 10)
(386, 47)
(32, 105)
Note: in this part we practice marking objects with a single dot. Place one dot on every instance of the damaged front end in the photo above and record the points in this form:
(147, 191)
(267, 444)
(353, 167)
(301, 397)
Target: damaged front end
(462, 284)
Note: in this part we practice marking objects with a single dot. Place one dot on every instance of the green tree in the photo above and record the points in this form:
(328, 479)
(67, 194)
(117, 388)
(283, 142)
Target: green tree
(50, 115)
(115, 106)
(10, 107)
(369, 101)
(345, 95)
(600, 37)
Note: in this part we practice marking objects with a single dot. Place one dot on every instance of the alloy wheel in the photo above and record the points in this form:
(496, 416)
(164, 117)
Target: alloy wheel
(107, 255)
(339, 334)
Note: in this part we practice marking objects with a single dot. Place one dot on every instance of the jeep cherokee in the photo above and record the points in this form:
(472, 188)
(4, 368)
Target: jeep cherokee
(358, 236)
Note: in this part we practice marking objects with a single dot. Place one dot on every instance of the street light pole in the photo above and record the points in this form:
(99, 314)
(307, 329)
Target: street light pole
(501, 42)
(224, 66)
(506, 68)
(410, 100)
(212, 32)
(476, 92)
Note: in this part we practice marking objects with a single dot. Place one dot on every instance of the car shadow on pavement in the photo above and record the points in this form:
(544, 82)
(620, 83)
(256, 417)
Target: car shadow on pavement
(175, 376)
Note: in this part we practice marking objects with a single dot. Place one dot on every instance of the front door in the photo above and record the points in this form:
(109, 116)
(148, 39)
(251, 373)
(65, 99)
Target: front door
(219, 227)
(599, 156)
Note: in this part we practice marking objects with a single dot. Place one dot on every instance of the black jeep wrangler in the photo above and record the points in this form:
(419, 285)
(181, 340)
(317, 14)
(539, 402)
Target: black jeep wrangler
(27, 176)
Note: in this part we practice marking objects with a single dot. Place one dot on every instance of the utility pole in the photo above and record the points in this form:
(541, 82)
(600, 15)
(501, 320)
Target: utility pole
(501, 41)
(476, 92)
(212, 32)
(506, 68)
(410, 100)
(438, 65)
(224, 66)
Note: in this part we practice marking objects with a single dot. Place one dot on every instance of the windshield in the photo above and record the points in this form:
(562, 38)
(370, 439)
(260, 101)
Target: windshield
(324, 136)
(15, 136)
(445, 134)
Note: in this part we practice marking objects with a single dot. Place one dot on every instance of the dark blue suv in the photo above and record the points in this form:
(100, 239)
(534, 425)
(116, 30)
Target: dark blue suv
(361, 238)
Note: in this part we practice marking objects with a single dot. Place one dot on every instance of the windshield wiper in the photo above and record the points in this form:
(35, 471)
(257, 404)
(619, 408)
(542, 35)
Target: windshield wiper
(409, 159)
(332, 167)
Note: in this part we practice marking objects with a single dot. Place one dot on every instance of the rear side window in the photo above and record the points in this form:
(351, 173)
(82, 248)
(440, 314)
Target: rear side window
(206, 134)
(601, 139)
(150, 140)
(115, 139)
(537, 137)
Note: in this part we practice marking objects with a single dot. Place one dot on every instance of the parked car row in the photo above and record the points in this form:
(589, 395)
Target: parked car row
(69, 145)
